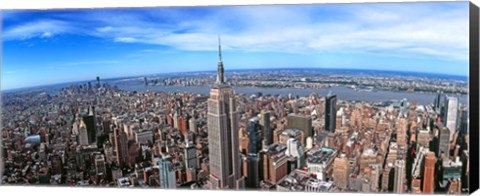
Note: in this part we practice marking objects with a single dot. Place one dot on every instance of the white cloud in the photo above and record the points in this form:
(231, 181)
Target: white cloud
(411, 30)
(42, 28)
(125, 39)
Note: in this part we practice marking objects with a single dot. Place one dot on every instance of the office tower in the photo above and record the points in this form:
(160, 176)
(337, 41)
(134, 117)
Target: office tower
(143, 136)
(402, 132)
(439, 101)
(464, 120)
(253, 171)
(275, 165)
(341, 170)
(398, 186)
(175, 120)
(330, 112)
(254, 144)
(297, 150)
(320, 162)
(166, 173)
(190, 155)
(374, 177)
(192, 125)
(303, 123)
(57, 164)
(403, 107)
(100, 167)
(145, 81)
(121, 146)
(222, 122)
(266, 129)
(452, 169)
(451, 115)
(89, 121)
(82, 134)
(423, 138)
(429, 173)
(443, 142)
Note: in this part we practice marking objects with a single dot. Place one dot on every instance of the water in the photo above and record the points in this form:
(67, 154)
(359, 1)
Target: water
(342, 93)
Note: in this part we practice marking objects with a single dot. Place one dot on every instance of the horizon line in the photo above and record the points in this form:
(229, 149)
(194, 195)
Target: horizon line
(231, 70)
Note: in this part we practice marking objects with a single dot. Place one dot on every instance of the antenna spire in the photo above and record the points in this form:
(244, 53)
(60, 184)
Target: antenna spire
(220, 77)
(219, 48)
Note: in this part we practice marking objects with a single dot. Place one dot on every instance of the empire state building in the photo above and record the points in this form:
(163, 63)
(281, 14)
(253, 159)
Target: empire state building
(222, 122)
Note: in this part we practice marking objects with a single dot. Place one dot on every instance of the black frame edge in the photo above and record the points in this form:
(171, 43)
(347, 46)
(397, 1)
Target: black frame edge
(474, 98)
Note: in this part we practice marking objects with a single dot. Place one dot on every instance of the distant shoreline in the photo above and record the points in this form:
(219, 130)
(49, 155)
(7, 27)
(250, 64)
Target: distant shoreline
(189, 73)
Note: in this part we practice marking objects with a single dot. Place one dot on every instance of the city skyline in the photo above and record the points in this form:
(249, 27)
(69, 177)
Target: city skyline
(96, 134)
(161, 40)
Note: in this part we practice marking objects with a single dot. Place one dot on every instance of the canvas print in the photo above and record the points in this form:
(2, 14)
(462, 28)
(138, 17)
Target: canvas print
(369, 98)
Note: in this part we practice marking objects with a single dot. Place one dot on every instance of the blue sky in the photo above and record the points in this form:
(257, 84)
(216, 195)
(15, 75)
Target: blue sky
(55, 46)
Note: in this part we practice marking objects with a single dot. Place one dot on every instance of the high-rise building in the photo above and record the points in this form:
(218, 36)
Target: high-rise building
(100, 166)
(451, 115)
(82, 134)
(222, 122)
(121, 146)
(452, 169)
(192, 125)
(253, 171)
(398, 186)
(89, 121)
(439, 101)
(464, 121)
(274, 163)
(266, 129)
(166, 173)
(303, 123)
(143, 136)
(443, 142)
(429, 173)
(330, 112)
(341, 170)
(297, 150)
(254, 144)
(190, 155)
(402, 132)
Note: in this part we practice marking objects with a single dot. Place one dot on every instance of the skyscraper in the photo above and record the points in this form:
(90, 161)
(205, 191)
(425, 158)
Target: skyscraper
(267, 131)
(190, 155)
(443, 141)
(82, 134)
(439, 101)
(429, 173)
(253, 171)
(90, 124)
(222, 122)
(330, 112)
(402, 133)
(100, 166)
(341, 171)
(166, 173)
(450, 115)
(398, 186)
(121, 146)
(192, 125)
(254, 144)
(303, 123)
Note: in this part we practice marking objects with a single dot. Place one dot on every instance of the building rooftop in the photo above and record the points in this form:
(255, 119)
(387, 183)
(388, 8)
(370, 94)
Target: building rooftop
(322, 155)
(299, 180)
